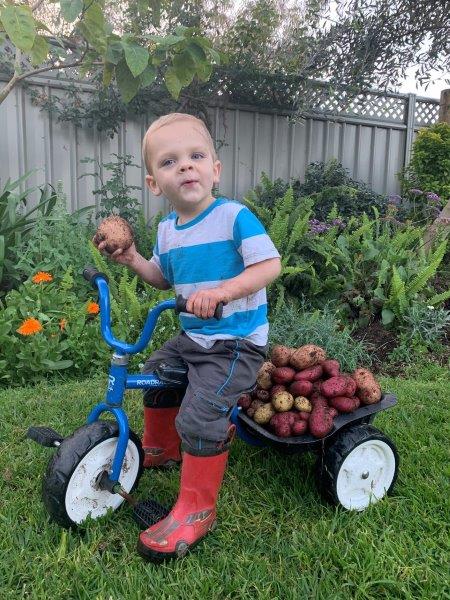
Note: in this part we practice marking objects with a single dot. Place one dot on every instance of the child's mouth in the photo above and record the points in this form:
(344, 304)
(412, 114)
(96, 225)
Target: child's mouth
(190, 182)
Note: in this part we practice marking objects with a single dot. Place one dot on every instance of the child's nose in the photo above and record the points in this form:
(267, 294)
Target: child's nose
(185, 165)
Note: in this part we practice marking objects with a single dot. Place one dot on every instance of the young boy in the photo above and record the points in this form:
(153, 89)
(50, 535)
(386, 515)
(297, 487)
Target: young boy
(211, 251)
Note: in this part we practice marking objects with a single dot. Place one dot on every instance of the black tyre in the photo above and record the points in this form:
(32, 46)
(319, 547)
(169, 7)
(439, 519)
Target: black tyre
(358, 468)
(70, 488)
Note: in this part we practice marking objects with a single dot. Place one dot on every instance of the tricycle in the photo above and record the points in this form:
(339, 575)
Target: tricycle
(96, 469)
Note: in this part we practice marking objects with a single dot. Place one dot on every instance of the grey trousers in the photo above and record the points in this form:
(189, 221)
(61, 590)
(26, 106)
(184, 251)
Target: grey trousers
(217, 377)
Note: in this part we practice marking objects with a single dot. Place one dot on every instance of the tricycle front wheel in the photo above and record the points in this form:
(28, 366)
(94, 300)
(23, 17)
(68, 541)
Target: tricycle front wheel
(70, 489)
(359, 467)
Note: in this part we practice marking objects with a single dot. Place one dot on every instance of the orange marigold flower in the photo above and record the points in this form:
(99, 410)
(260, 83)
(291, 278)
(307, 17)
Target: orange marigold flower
(42, 277)
(29, 327)
(62, 324)
(92, 308)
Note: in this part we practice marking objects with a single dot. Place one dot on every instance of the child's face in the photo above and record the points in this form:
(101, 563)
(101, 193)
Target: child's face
(183, 167)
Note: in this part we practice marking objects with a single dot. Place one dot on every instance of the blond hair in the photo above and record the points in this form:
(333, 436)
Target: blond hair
(168, 120)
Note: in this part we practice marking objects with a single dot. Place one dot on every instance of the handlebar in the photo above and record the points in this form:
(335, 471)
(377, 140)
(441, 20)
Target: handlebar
(99, 281)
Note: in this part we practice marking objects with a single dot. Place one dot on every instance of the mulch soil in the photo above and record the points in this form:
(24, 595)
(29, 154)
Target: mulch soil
(380, 342)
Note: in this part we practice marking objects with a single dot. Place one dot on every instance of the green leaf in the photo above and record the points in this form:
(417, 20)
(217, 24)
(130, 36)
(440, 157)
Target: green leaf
(387, 316)
(437, 299)
(197, 53)
(93, 27)
(128, 85)
(57, 365)
(70, 9)
(185, 68)
(136, 57)
(173, 84)
(114, 52)
(20, 25)
(39, 51)
(204, 71)
(148, 76)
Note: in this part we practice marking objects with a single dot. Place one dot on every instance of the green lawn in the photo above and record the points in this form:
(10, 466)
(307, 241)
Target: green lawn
(276, 538)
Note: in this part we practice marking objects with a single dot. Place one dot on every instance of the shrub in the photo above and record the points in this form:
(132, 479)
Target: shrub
(429, 169)
(57, 242)
(327, 184)
(114, 193)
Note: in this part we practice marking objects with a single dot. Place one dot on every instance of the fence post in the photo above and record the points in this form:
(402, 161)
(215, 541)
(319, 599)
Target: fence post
(410, 113)
(444, 107)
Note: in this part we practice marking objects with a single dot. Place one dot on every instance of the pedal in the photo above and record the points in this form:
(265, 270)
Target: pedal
(45, 436)
(149, 512)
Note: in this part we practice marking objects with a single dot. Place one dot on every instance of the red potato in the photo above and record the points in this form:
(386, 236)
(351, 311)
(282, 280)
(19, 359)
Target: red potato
(263, 395)
(335, 386)
(344, 404)
(351, 386)
(318, 400)
(291, 417)
(307, 356)
(310, 374)
(333, 412)
(303, 415)
(283, 375)
(301, 388)
(316, 386)
(331, 367)
(299, 428)
(245, 401)
(320, 422)
(281, 424)
(276, 389)
(280, 355)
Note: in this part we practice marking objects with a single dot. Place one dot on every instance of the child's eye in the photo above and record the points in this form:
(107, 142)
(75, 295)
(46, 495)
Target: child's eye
(198, 155)
(167, 162)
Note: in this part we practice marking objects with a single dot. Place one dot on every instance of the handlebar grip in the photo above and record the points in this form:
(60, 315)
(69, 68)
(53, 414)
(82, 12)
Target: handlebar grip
(181, 307)
(91, 274)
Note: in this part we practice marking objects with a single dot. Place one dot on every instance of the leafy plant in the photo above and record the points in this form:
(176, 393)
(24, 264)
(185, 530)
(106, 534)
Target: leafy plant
(16, 225)
(327, 184)
(429, 169)
(58, 241)
(90, 46)
(372, 267)
(427, 323)
(114, 192)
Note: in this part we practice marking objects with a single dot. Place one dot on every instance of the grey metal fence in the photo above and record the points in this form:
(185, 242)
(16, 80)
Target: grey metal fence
(371, 136)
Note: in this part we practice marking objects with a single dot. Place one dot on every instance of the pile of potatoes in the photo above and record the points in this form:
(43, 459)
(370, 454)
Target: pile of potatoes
(301, 391)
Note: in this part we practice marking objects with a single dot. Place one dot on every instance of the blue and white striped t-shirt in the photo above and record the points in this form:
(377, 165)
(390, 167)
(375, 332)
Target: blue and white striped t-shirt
(215, 246)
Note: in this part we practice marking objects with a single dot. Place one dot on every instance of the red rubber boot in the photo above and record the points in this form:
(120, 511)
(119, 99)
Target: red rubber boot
(194, 513)
(161, 442)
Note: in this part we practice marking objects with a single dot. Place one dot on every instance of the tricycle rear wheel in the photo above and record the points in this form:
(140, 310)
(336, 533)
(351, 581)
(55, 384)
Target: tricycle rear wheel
(358, 468)
(70, 489)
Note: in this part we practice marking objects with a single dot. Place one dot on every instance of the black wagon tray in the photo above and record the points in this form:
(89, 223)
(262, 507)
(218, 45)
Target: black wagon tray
(342, 420)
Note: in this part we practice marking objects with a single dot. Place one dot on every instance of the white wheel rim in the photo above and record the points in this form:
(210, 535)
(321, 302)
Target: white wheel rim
(83, 496)
(365, 475)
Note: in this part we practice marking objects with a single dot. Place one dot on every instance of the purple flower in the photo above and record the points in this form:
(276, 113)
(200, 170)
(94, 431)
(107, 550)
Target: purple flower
(415, 192)
(433, 198)
(317, 227)
(395, 199)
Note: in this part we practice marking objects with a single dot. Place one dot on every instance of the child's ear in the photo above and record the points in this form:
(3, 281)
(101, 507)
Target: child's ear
(152, 185)
(217, 168)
